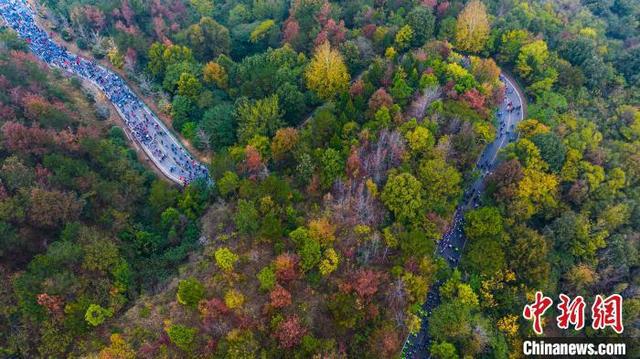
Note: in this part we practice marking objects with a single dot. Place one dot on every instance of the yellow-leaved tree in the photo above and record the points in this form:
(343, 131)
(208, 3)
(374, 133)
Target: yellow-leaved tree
(472, 28)
(213, 73)
(327, 74)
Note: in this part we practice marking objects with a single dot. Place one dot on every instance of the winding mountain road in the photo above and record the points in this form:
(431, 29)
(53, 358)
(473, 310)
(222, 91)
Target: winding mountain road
(173, 160)
(155, 139)
(450, 247)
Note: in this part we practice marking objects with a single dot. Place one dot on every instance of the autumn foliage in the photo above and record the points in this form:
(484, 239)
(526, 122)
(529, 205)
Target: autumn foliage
(327, 74)
(286, 267)
(280, 297)
(290, 332)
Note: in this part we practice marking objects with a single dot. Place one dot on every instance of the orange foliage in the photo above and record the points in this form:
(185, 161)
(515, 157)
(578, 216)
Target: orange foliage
(366, 282)
(283, 142)
(322, 231)
(286, 267)
(53, 303)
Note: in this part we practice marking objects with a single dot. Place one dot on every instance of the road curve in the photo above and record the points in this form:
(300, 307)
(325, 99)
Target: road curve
(159, 144)
(450, 247)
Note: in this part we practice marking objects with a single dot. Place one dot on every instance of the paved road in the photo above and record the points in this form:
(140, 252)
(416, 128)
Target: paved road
(452, 243)
(166, 152)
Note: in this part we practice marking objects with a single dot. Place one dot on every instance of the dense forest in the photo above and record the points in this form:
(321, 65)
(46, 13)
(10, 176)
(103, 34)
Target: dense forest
(341, 136)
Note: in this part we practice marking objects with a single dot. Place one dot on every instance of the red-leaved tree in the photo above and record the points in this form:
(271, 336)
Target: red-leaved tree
(366, 282)
(290, 332)
(280, 297)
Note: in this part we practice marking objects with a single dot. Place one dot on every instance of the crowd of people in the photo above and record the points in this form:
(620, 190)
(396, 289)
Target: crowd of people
(165, 151)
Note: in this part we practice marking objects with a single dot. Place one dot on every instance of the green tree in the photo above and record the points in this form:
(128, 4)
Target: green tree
(258, 118)
(189, 86)
(533, 65)
(55, 340)
(204, 7)
(271, 228)
(225, 259)
(156, 64)
(403, 37)
(447, 29)
(455, 289)
(308, 248)
(175, 71)
(100, 254)
(189, 131)
(484, 256)
(402, 194)
(400, 90)
(552, 150)
(96, 315)
(450, 321)
(169, 218)
(219, 123)
(414, 243)
(181, 109)
(422, 22)
(344, 310)
(529, 256)
(572, 235)
(247, 217)
(420, 140)
(511, 43)
(483, 222)
(162, 196)
(332, 166)
(310, 254)
(532, 58)
(175, 54)
(261, 31)
(228, 184)
(207, 38)
(182, 336)
(441, 183)
(463, 79)
(190, 292)
(267, 278)
(444, 350)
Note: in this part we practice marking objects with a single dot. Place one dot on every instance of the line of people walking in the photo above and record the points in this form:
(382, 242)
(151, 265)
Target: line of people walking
(163, 148)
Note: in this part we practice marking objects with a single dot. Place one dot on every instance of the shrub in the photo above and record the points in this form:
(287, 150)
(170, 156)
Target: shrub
(96, 315)
(225, 259)
(233, 299)
(181, 336)
(267, 278)
(190, 291)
